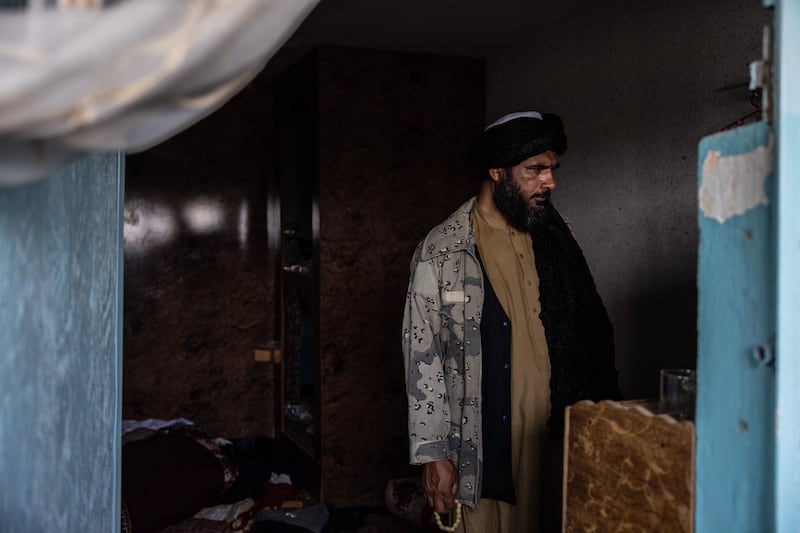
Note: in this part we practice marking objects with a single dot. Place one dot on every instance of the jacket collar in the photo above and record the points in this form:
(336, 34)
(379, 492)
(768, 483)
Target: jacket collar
(452, 235)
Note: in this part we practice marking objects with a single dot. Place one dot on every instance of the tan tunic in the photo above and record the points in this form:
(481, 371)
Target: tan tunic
(507, 256)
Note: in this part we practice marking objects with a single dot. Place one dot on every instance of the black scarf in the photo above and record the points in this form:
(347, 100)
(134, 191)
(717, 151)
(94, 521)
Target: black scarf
(580, 338)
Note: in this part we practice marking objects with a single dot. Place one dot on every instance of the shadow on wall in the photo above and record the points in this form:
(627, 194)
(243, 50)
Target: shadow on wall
(659, 329)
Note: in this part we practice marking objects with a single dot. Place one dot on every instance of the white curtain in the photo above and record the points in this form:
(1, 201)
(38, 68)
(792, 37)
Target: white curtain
(75, 76)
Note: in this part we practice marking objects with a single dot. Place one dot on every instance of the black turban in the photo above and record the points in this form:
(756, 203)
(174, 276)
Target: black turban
(507, 143)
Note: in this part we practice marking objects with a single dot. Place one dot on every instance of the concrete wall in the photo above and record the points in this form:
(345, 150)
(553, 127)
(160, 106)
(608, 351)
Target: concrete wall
(638, 84)
(60, 344)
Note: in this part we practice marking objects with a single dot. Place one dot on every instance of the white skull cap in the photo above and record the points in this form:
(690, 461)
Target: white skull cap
(512, 116)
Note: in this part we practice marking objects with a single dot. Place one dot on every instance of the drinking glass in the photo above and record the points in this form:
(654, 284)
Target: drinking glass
(678, 392)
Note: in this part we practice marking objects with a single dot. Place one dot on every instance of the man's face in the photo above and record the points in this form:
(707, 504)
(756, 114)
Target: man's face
(521, 192)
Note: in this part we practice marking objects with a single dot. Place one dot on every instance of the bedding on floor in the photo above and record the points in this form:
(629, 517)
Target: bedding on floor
(175, 472)
(178, 477)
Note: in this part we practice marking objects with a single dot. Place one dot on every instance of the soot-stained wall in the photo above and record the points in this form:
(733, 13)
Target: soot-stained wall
(638, 84)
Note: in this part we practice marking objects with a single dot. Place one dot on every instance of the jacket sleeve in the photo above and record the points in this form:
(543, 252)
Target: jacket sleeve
(428, 408)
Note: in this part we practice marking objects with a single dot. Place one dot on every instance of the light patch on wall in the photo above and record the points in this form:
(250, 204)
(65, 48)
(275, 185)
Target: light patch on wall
(204, 215)
(244, 217)
(732, 185)
(147, 225)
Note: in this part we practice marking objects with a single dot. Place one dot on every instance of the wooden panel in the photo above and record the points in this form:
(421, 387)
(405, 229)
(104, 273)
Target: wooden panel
(787, 461)
(371, 156)
(394, 130)
(199, 272)
(736, 314)
(627, 469)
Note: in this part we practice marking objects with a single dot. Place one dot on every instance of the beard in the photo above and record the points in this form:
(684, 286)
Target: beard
(516, 208)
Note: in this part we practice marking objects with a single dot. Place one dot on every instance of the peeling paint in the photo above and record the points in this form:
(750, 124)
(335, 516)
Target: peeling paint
(732, 185)
(736, 296)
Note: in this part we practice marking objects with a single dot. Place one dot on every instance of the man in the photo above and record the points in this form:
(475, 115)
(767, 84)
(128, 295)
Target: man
(503, 328)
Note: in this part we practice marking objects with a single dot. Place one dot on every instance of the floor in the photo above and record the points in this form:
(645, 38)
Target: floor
(388, 524)
(372, 523)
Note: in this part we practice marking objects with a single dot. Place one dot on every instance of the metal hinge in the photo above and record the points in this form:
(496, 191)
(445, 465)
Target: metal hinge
(761, 75)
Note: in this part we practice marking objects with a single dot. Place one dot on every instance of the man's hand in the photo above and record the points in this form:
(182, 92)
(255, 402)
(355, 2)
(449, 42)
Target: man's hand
(440, 481)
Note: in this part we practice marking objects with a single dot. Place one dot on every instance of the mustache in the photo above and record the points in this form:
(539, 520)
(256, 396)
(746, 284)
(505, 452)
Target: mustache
(544, 195)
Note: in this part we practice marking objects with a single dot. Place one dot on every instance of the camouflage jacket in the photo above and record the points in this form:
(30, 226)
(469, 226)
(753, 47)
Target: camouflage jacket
(442, 351)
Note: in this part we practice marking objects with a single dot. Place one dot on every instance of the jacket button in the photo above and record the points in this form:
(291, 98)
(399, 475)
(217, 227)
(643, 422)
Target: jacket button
(507, 366)
(505, 323)
(504, 418)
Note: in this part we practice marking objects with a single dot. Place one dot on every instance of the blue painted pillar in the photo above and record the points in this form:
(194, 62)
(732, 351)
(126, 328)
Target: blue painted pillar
(60, 350)
(736, 326)
(787, 123)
